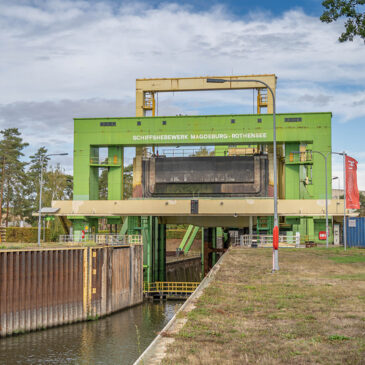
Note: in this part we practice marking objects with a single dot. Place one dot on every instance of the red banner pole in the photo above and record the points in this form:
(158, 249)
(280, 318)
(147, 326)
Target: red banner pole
(275, 246)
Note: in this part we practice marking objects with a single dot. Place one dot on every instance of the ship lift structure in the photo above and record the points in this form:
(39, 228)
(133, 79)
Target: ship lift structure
(231, 189)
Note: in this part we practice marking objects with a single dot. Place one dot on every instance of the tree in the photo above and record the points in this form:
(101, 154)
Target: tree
(12, 181)
(57, 185)
(203, 152)
(33, 181)
(127, 179)
(350, 9)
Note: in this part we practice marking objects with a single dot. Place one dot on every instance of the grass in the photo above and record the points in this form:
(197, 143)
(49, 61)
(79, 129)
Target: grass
(22, 245)
(348, 259)
(312, 311)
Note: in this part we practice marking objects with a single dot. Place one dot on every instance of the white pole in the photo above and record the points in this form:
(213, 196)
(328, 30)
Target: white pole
(325, 167)
(250, 230)
(344, 202)
(40, 203)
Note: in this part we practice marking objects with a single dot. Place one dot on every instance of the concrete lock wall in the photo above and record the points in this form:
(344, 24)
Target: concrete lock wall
(50, 287)
(184, 270)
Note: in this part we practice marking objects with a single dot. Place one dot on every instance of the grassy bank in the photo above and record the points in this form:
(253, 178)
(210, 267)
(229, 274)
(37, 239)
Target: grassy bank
(22, 245)
(311, 311)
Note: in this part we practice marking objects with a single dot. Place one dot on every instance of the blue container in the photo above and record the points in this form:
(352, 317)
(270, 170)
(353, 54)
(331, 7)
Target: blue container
(355, 232)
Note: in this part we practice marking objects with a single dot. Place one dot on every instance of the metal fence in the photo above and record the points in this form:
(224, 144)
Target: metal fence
(266, 240)
(170, 287)
(116, 239)
(102, 239)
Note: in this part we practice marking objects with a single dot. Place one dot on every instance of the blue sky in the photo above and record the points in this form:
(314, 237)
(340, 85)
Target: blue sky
(241, 8)
(75, 58)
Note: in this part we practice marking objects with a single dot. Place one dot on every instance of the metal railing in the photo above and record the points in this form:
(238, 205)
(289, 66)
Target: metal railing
(79, 238)
(104, 161)
(102, 239)
(185, 152)
(303, 156)
(116, 239)
(266, 240)
(169, 287)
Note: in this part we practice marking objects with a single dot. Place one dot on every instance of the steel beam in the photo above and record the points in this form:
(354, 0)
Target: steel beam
(207, 207)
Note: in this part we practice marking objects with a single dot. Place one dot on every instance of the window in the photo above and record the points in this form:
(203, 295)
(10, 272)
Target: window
(108, 124)
(293, 119)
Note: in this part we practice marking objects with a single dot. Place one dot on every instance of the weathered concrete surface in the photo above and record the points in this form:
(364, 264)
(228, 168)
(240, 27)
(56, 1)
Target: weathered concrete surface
(49, 287)
(184, 270)
(156, 351)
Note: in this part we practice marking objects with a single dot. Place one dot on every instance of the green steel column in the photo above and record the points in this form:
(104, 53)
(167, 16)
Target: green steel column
(155, 247)
(202, 253)
(115, 173)
(191, 239)
(94, 175)
(84, 174)
(134, 225)
(93, 224)
(292, 179)
(124, 228)
(186, 237)
(310, 228)
(162, 252)
(147, 247)
(214, 245)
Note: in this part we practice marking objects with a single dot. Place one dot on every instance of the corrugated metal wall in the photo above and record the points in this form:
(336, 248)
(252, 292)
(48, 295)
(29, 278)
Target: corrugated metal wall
(356, 232)
(45, 288)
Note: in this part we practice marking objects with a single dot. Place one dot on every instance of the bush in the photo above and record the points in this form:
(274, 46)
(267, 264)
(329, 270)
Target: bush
(25, 234)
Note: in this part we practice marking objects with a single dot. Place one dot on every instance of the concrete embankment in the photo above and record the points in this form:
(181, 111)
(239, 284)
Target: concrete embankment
(156, 351)
(49, 287)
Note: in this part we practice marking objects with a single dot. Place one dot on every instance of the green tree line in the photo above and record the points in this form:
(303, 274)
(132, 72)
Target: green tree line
(19, 180)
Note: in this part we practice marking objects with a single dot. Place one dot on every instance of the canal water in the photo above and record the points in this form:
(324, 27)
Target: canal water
(117, 339)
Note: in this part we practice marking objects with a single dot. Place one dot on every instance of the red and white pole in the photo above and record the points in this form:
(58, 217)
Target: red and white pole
(275, 247)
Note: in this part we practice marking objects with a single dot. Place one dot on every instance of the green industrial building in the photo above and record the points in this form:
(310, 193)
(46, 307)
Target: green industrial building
(238, 139)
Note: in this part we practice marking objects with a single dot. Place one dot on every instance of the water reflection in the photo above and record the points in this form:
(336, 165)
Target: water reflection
(117, 339)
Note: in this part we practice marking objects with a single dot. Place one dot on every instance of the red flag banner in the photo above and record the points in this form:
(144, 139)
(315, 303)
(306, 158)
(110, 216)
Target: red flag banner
(352, 192)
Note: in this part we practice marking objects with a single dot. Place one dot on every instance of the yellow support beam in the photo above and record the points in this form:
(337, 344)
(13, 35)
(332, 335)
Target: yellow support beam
(146, 88)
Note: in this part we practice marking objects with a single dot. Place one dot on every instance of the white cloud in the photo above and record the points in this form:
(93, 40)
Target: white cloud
(78, 49)
(62, 59)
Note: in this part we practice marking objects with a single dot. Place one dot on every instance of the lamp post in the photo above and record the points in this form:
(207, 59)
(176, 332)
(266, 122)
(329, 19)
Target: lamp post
(344, 197)
(41, 160)
(276, 227)
(338, 179)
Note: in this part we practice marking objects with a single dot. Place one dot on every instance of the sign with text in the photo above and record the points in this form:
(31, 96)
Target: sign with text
(322, 235)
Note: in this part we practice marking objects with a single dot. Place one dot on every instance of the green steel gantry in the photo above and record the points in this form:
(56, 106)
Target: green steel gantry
(300, 176)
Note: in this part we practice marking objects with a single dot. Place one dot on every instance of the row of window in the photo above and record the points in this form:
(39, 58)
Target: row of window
(233, 121)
